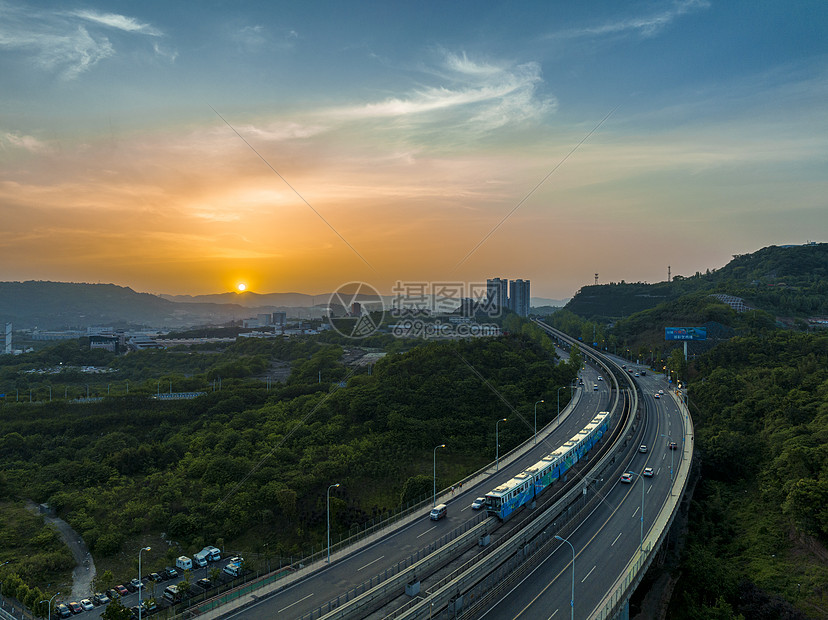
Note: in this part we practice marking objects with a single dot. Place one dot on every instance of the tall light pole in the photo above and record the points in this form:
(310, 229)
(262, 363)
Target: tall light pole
(563, 387)
(497, 444)
(434, 500)
(572, 599)
(536, 421)
(140, 583)
(328, 494)
(641, 543)
(50, 603)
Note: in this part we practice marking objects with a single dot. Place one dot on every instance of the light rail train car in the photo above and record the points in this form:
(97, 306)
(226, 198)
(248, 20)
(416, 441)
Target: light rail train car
(506, 498)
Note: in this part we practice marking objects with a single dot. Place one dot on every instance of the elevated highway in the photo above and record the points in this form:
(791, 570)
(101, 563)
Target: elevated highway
(466, 566)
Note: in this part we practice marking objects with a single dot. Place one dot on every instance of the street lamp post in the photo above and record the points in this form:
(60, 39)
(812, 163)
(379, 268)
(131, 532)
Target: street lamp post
(434, 500)
(536, 421)
(497, 444)
(140, 583)
(563, 387)
(50, 604)
(641, 540)
(329, 518)
(572, 599)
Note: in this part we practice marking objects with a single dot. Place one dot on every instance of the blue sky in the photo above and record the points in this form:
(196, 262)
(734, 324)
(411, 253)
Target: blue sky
(382, 141)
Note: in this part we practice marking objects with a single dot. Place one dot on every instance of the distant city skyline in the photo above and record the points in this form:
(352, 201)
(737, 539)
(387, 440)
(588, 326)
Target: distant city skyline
(197, 148)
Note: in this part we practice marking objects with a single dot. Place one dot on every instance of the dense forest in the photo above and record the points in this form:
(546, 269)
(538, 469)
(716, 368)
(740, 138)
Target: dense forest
(759, 518)
(249, 464)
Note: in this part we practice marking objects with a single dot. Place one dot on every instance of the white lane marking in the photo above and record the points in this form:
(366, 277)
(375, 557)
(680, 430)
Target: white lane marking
(371, 562)
(466, 508)
(616, 539)
(553, 614)
(296, 603)
(427, 531)
(588, 574)
(649, 488)
(636, 511)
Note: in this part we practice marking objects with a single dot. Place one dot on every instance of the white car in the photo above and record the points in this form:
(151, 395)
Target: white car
(600, 378)
(656, 395)
(661, 392)
(642, 448)
(478, 503)
(87, 604)
(648, 472)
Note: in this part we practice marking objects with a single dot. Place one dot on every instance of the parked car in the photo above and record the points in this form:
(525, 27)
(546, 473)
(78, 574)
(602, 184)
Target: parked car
(136, 583)
(100, 598)
(150, 605)
(75, 607)
(112, 593)
(156, 577)
(121, 590)
(171, 572)
(64, 611)
(478, 503)
(204, 583)
(648, 471)
(130, 586)
(626, 477)
(87, 604)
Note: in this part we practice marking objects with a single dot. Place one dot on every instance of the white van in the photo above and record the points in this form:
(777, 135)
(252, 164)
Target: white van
(438, 512)
(233, 569)
(184, 563)
(213, 553)
(200, 558)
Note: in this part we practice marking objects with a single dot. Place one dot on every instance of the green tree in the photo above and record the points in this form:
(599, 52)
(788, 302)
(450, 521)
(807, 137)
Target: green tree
(116, 611)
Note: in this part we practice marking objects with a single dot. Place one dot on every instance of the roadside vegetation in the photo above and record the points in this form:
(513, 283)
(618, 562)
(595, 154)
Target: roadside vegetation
(249, 466)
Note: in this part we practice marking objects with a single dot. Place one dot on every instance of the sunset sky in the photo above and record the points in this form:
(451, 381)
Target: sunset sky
(188, 147)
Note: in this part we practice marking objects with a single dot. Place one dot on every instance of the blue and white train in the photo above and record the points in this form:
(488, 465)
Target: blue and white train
(523, 488)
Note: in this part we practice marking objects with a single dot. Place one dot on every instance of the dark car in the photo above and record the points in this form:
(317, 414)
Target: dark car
(64, 611)
(75, 607)
(121, 590)
(204, 583)
(130, 586)
(171, 572)
(156, 577)
(673, 445)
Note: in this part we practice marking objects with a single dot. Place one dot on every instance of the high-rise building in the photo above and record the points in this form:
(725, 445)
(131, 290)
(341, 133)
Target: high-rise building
(497, 294)
(519, 297)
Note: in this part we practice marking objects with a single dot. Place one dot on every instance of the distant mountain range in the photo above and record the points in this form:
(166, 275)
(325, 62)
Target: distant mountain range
(65, 305)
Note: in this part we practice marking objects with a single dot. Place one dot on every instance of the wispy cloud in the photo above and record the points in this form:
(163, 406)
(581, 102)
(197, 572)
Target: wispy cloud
(120, 22)
(69, 43)
(28, 143)
(487, 94)
(646, 25)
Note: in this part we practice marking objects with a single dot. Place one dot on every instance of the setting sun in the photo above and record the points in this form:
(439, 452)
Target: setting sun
(242, 287)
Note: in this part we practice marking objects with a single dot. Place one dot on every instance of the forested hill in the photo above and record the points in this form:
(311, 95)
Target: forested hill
(785, 281)
(60, 305)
